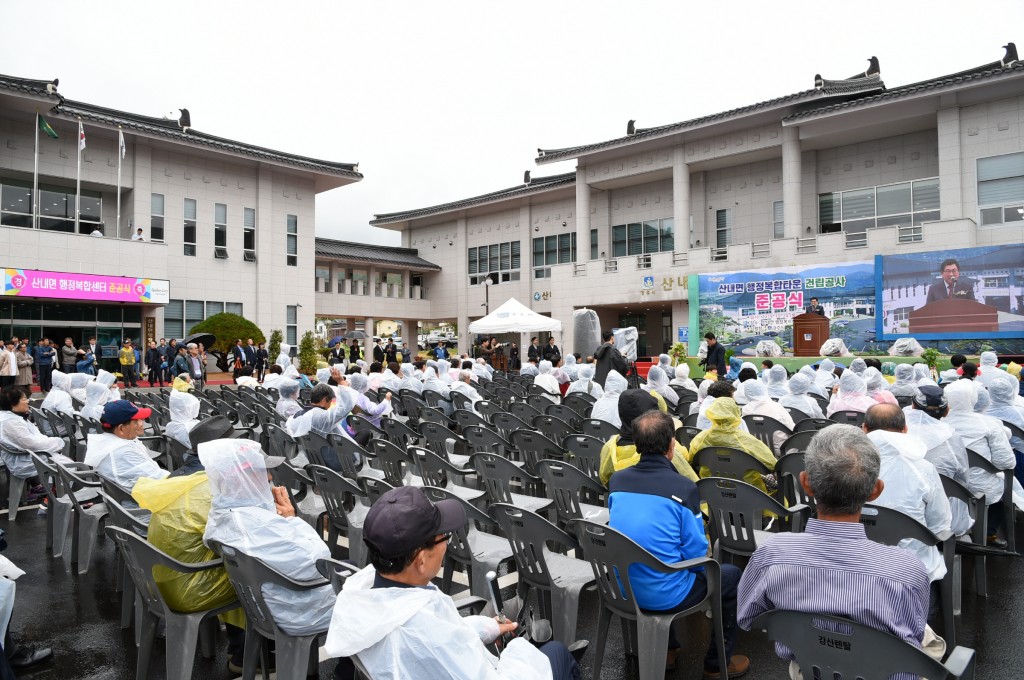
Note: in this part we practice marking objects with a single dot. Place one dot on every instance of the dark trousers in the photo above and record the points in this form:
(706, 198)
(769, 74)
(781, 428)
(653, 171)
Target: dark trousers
(730, 583)
(7, 380)
(45, 377)
(156, 375)
(996, 514)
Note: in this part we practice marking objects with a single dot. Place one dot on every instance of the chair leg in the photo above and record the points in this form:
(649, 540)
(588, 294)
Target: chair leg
(127, 603)
(253, 642)
(958, 564)
(293, 657)
(208, 637)
(565, 605)
(87, 541)
(149, 623)
(604, 621)
(948, 619)
(182, 635)
(717, 631)
(15, 492)
(61, 512)
(652, 634)
(446, 575)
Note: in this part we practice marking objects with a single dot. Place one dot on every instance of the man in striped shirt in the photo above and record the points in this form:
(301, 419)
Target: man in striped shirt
(832, 568)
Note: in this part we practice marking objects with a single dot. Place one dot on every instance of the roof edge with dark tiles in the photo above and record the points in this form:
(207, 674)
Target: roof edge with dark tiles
(364, 252)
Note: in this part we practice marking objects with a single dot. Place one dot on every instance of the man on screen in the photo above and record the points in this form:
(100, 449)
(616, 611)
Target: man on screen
(951, 287)
(815, 308)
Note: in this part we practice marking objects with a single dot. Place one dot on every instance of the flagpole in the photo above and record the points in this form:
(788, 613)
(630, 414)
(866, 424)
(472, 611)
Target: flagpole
(120, 146)
(35, 177)
(78, 177)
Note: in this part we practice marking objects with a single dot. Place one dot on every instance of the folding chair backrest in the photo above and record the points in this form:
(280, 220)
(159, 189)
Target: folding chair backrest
(854, 418)
(569, 486)
(813, 424)
(723, 461)
(596, 427)
(584, 453)
(528, 534)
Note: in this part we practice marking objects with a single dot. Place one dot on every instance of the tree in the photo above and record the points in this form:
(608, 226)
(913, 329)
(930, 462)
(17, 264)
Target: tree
(274, 348)
(227, 328)
(307, 354)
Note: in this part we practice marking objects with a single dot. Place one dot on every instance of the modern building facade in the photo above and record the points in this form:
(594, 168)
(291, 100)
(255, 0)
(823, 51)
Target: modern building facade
(227, 226)
(840, 173)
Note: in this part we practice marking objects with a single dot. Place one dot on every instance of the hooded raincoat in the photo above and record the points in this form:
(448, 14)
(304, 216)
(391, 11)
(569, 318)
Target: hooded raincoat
(607, 407)
(825, 377)
(776, 383)
(97, 394)
(725, 430)
(620, 452)
(284, 359)
(905, 385)
(759, 404)
(585, 383)
(59, 397)
(1002, 391)
(913, 487)
(983, 435)
(79, 381)
(122, 461)
(876, 386)
(797, 398)
(18, 438)
(569, 367)
(735, 366)
(288, 398)
(546, 379)
(987, 368)
(682, 378)
(409, 381)
(243, 516)
(858, 366)
(852, 395)
(363, 406)
(184, 410)
(657, 381)
(946, 451)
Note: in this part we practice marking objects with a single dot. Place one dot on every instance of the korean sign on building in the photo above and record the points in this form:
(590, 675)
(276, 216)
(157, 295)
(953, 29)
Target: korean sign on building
(66, 286)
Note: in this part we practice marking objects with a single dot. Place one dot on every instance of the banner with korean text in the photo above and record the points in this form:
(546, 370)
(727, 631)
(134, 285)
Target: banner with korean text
(66, 286)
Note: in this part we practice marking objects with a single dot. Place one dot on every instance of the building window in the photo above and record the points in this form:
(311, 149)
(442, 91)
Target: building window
(1001, 189)
(996, 282)
(189, 237)
(156, 218)
(778, 221)
(194, 313)
(548, 250)
(214, 308)
(499, 262)
(593, 244)
(249, 234)
(15, 204)
(56, 208)
(638, 238)
(903, 204)
(220, 231)
(323, 279)
(291, 331)
(293, 241)
(723, 228)
(174, 319)
(388, 284)
(233, 308)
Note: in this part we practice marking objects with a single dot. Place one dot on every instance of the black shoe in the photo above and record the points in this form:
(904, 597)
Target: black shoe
(993, 541)
(26, 656)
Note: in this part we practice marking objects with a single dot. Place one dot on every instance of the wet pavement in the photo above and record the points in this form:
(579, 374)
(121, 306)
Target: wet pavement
(79, 617)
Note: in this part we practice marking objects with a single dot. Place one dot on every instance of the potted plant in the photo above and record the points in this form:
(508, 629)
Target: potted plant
(678, 353)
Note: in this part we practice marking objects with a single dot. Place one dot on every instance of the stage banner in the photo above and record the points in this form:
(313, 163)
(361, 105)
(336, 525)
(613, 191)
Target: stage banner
(65, 286)
(746, 307)
(992, 276)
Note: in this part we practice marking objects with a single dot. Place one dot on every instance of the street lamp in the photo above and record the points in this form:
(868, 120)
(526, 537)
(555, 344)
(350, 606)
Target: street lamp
(487, 294)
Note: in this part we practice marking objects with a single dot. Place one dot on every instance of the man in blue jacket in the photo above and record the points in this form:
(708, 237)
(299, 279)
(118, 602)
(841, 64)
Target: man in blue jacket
(660, 511)
(44, 355)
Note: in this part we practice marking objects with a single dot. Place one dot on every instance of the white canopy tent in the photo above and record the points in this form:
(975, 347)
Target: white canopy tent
(515, 317)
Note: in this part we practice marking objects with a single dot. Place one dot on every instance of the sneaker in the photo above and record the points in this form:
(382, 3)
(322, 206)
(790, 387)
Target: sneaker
(738, 666)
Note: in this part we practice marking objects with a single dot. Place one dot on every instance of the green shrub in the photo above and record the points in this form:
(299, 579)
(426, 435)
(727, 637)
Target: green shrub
(307, 354)
(226, 328)
(274, 347)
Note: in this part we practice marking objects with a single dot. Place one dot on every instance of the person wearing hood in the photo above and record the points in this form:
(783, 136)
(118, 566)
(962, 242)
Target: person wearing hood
(746, 375)
(889, 373)
(326, 416)
(657, 381)
(251, 516)
(745, 366)
(1002, 390)
(79, 381)
(529, 368)
(923, 374)
(716, 390)
(284, 358)
(292, 373)
(858, 366)
(812, 380)
(986, 437)
(570, 367)
(875, 384)
(987, 370)
(682, 378)
(797, 398)
(273, 377)
(391, 377)
(288, 399)
(735, 364)
(400, 625)
(608, 358)
(945, 449)
(116, 453)
(912, 484)
(409, 381)
(184, 410)
(725, 430)
(19, 437)
(776, 383)
(905, 385)
(444, 371)
(433, 382)
(620, 452)
(464, 386)
(585, 383)
(702, 395)
(58, 399)
(852, 395)
(825, 377)
(760, 404)
(363, 406)
(547, 381)
(607, 407)
(97, 394)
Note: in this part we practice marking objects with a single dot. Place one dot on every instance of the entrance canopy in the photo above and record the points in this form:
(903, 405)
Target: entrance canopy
(515, 317)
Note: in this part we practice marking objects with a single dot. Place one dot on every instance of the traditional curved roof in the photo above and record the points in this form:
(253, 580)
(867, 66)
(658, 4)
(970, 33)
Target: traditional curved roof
(362, 252)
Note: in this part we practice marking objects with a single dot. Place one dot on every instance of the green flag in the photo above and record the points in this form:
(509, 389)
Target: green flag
(45, 127)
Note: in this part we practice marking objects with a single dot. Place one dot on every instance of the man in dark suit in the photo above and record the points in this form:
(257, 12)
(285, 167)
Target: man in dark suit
(815, 308)
(378, 352)
(716, 356)
(534, 352)
(951, 287)
(551, 352)
(237, 358)
(250, 353)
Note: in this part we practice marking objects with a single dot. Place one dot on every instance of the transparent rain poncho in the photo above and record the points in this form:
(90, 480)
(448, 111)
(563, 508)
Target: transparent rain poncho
(657, 381)
(852, 395)
(983, 435)
(825, 377)
(858, 366)
(418, 633)
(184, 411)
(284, 359)
(243, 516)
(906, 384)
(776, 382)
(323, 421)
(876, 384)
(97, 394)
(569, 367)
(923, 374)
(682, 378)
(547, 381)
(585, 382)
(988, 371)
(122, 461)
(1002, 391)
(760, 404)
(18, 438)
(288, 398)
(444, 371)
(913, 487)
(59, 397)
(607, 407)
(366, 408)
(79, 381)
(409, 380)
(797, 398)
(945, 450)
(812, 378)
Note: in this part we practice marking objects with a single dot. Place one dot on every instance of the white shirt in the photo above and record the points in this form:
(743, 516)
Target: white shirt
(137, 237)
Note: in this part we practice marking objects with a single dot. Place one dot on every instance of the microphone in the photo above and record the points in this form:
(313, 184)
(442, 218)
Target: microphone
(952, 280)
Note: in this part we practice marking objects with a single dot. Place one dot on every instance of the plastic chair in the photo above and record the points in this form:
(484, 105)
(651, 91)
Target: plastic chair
(723, 461)
(791, 492)
(904, 401)
(552, 427)
(889, 527)
(488, 408)
(736, 510)
(957, 492)
(580, 402)
(123, 519)
(436, 400)
(461, 401)
(690, 419)
(601, 429)
(444, 442)
(59, 509)
(976, 460)
(343, 514)
(797, 442)
(496, 474)
(684, 394)
(297, 655)
(558, 577)
(523, 410)
(854, 418)
(464, 419)
(182, 629)
(830, 646)
(536, 447)
(15, 493)
(796, 414)
(395, 463)
(813, 424)
(508, 423)
(682, 407)
(610, 555)
(822, 401)
(764, 428)
(485, 439)
(438, 472)
(398, 432)
(85, 521)
(282, 443)
(685, 435)
(564, 413)
(584, 452)
(362, 424)
(433, 415)
(576, 494)
(299, 486)
(374, 488)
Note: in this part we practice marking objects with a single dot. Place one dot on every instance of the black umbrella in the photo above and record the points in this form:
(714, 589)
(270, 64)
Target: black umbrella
(206, 339)
(355, 335)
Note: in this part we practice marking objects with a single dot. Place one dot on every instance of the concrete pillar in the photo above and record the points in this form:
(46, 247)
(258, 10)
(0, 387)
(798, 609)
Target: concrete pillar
(680, 199)
(368, 342)
(791, 184)
(582, 217)
(410, 333)
(951, 194)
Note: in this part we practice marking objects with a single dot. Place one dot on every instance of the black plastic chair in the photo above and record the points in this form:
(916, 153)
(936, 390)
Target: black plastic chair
(508, 423)
(345, 510)
(976, 460)
(690, 420)
(438, 472)
(552, 427)
(374, 488)
(497, 474)
(461, 401)
(396, 463)
(791, 492)
(601, 429)
(485, 439)
(299, 487)
(813, 424)
(428, 414)
(764, 428)
(611, 554)
(444, 442)
(830, 646)
(904, 401)
(736, 511)
(576, 494)
(796, 414)
(464, 418)
(580, 402)
(854, 418)
(958, 493)
(564, 413)
(685, 435)
(584, 452)
(398, 432)
(488, 408)
(797, 442)
(535, 447)
(722, 461)
(523, 411)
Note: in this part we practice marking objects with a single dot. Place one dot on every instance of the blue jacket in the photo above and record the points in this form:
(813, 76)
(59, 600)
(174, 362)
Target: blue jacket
(43, 355)
(659, 509)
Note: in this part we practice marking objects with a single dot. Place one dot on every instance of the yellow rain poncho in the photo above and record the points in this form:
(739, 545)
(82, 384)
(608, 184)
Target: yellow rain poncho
(180, 507)
(725, 419)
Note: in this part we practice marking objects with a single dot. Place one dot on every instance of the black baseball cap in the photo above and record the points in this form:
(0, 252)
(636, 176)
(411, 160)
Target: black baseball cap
(930, 396)
(404, 519)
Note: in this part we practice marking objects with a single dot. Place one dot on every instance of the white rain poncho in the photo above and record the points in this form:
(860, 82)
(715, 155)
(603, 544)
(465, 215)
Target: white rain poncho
(702, 396)
(585, 382)
(682, 378)
(444, 371)
(981, 399)
(323, 421)
(528, 369)
(1002, 391)
(466, 389)
(906, 384)
(547, 381)
(852, 395)
(570, 367)
(987, 368)
(122, 461)
(287, 399)
(665, 363)
(825, 377)
(431, 382)
(97, 394)
(59, 398)
(760, 404)
(271, 381)
(913, 487)
(79, 381)
(18, 438)
(243, 516)
(984, 435)
(876, 384)
(776, 383)
(323, 375)
(363, 406)
(797, 398)
(657, 381)
(858, 366)
(923, 374)
(945, 450)
(184, 410)
(481, 369)
(409, 380)
(389, 380)
(607, 407)
(417, 633)
(284, 359)
(812, 379)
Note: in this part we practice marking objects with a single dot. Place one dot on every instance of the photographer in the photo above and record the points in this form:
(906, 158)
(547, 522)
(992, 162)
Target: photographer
(716, 355)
